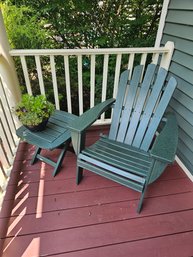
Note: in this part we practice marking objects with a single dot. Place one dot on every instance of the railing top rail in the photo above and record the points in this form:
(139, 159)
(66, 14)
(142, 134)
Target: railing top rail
(96, 51)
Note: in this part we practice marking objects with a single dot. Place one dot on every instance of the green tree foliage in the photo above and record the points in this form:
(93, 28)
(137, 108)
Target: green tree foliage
(78, 24)
(83, 23)
(23, 27)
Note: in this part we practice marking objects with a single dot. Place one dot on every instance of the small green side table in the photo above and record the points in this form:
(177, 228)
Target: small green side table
(56, 135)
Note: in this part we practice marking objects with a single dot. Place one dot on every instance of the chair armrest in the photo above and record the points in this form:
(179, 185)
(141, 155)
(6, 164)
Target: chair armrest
(89, 117)
(165, 145)
(81, 123)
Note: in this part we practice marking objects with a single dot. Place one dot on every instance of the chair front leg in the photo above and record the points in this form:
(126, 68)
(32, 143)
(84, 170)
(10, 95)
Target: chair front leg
(141, 199)
(79, 174)
(78, 142)
(34, 158)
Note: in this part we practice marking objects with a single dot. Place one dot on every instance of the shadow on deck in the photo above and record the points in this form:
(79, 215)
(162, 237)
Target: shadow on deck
(49, 216)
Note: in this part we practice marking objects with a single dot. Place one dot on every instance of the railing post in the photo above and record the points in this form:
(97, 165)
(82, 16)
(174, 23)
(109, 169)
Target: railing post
(166, 57)
(8, 73)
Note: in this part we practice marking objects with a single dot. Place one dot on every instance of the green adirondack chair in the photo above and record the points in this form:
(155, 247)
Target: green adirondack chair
(141, 141)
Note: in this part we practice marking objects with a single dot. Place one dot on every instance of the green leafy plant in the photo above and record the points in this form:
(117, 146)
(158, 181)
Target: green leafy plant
(33, 110)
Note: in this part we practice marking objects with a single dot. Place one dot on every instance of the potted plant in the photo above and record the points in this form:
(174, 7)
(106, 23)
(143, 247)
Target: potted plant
(34, 112)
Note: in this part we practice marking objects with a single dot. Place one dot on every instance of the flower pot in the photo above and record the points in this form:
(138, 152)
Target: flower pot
(39, 127)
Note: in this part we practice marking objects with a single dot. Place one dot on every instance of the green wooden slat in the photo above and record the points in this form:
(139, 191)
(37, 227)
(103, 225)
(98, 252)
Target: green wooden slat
(38, 136)
(123, 181)
(56, 128)
(158, 169)
(112, 169)
(139, 104)
(165, 145)
(128, 159)
(60, 120)
(158, 114)
(116, 151)
(35, 141)
(50, 133)
(46, 160)
(120, 153)
(129, 102)
(89, 117)
(118, 104)
(115, 162)
(46, 136)
(152, 99)
(53, 131)
(130, 150)
(60, 140)
(59, 123)
(21, 132)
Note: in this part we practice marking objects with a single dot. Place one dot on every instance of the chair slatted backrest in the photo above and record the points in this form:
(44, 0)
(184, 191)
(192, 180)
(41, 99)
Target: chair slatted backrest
(140, 107)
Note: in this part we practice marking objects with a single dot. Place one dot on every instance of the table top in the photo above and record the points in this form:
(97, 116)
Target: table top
(55, 134)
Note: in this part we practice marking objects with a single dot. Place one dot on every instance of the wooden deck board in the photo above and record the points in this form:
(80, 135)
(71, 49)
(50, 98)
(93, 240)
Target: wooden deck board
(64, 219)
(54, 217)
(97, 196)
(85, 237)
(168, 246)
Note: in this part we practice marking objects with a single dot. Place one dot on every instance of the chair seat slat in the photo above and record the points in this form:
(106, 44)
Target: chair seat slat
(121, 180)
(119, 153)
(127, 148)
(112, 169)
(116, 162)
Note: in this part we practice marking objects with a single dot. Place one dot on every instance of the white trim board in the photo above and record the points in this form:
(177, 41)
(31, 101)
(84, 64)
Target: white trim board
(180, 163)
(162, 22)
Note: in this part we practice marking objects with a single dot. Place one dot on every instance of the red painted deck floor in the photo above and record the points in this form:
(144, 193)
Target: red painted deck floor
(49, 216)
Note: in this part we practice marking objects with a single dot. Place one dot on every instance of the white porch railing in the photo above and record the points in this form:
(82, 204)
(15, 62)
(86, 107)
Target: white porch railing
(131, 56)
(8, 138)
(124, 58)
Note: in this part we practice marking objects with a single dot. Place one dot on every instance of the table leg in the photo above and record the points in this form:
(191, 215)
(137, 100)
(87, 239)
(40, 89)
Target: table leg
(34, 158)
(60, 158)
(57, 164)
